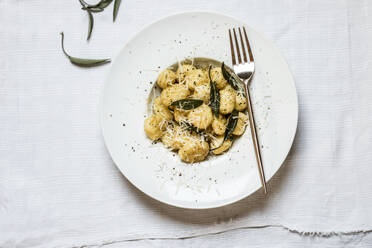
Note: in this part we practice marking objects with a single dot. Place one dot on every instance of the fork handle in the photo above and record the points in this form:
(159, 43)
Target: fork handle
(254, 136)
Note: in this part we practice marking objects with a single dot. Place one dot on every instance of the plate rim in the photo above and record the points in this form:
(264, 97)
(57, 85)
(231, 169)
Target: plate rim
(101, 112)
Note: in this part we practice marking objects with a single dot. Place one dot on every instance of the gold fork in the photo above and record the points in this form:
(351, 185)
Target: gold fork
(245, 70)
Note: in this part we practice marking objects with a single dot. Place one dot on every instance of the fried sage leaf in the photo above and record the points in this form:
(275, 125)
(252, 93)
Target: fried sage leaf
(230, 76)
(82, 62)
(233, 120)
(91, 23)
(116, 8)
(187, 104)
(190, 127)
(214, 100)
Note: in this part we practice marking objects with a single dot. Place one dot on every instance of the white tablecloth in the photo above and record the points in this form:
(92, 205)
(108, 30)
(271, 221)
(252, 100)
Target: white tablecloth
(59, 187)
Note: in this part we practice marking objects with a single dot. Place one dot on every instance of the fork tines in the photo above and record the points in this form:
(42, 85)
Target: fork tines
(245, 59)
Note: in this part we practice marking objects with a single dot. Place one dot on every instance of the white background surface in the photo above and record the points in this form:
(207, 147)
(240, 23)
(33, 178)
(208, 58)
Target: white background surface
(59, 188)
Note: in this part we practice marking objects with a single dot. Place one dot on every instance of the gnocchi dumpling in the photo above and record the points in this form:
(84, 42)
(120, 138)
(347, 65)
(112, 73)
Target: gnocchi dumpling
(195, 78)
(241, 124)
(202, 92)
(174, 138)
(162, 110)
(201, 117)
(227, 100)
(195, 150)
(174, 93)
(217, 77)
(168, 140)
(180, 115)
(219, 146)
(166, 78)
(240, 102)
(219, 125)
(183, 70)
(154, 127)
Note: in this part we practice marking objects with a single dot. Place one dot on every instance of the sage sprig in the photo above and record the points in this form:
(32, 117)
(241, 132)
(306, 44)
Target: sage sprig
(82, 62)
(230, 76)
(98, 7)
(214, 100)
(187, 104)
(231, 124)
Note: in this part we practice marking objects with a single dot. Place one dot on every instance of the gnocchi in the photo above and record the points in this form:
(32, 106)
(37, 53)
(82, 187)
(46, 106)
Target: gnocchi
(183, 70)
(194, 151)
(219, 145)
(241, 124)
(195, 78)
(219, 125)
(166, 78)
(161, 110)
(227, 100)
(240, 102)
(174, 93)
(175, 138)
(153, 127)
(202, 92)
(201, 117)
(191, 115)
(180, 115)
(217, 77)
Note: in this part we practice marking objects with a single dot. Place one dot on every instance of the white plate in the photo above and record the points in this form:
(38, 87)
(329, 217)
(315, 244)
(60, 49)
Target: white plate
(155, 170)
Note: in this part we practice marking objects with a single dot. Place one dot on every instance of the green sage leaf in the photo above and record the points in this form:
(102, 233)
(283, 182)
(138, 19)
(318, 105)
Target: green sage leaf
(103, 4)
(91, 23)
(99, 7)
(231, 124)
(214, 100)
(116, 8)
(230, 76)
(190, 127)
(82, 62)
(187, 104)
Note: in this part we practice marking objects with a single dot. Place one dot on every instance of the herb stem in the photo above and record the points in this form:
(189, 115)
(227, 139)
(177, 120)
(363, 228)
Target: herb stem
(62, 43)
(91, 23)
